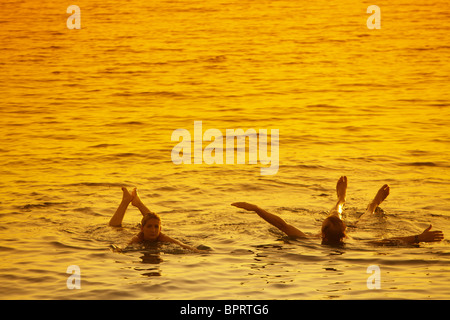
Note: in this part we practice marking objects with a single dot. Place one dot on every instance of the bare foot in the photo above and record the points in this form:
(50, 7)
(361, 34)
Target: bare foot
(379, 198)
(341, 189)
(136, 200)
(126, 196)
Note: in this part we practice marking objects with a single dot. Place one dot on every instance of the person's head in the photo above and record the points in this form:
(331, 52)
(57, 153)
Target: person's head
(333, 231)
(151, 226)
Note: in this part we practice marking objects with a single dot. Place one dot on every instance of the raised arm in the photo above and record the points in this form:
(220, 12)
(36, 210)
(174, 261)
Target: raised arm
(274, 220)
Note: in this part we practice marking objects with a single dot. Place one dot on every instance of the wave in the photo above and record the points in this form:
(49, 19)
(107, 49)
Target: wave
(105, 145)
(88, 211)
(166, 94)
(424, 164)
(4, 249)
(29, 207)
(97, 184)
(127, 123)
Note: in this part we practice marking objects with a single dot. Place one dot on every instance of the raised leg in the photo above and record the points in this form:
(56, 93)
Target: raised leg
(381, 195)
(341, 190)
(138, 203)
(379, 198)
(116, 219)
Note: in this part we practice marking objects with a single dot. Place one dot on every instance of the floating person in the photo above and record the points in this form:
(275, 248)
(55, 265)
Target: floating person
(333, 231)
(150, 223)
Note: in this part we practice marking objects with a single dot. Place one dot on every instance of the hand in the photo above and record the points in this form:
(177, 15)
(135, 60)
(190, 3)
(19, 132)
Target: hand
(430, 236)
(245, 205)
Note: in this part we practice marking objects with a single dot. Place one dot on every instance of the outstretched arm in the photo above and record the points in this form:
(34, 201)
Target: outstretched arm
(274, 220)
(425, 236)
(165, 238)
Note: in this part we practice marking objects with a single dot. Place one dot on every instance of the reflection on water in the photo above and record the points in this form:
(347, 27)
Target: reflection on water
(150, 258)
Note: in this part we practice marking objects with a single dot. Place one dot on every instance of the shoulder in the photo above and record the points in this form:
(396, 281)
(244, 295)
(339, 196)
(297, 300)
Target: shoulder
(165, 238)
(138, 238)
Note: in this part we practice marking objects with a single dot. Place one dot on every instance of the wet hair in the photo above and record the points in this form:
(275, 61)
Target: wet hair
(148, 216)
(333, 231)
